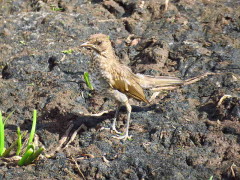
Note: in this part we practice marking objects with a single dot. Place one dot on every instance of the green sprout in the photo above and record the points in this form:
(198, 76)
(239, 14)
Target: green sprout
(31, 84)
(34, 155)
(2, 134)
(10, 114)
(211, 178)
(33, 127)
(19, 141)
(86, 78)
(2, 140)
(130, 139)
(22, 42)
(28, 153)
(13, 146)
(31, 154)
(70, 51)
(54, 8)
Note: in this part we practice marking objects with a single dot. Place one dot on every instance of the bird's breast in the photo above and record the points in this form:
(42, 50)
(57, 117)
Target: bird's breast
(99, 75)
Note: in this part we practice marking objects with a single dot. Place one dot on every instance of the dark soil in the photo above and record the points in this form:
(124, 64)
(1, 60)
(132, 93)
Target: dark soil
(184, 134)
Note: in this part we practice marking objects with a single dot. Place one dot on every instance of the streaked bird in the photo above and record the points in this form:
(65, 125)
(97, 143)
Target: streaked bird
(113, 79)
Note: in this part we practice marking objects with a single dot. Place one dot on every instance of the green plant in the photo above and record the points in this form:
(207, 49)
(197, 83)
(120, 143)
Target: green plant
(86, 78)
(31, 84)
(54, 8)
(19, 141)
(69, 51)
(2, 138)
(130, 139)
(22, 42)
(13, 145)
(33, 127)
(2, 134)
(31, 153)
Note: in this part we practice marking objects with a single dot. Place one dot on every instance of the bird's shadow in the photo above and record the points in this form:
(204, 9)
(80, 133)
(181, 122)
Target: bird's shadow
(60, 122)
(93, 121)
(55, 121)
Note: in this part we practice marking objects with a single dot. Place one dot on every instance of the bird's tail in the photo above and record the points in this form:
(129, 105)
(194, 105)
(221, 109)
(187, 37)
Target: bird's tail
(148, 82)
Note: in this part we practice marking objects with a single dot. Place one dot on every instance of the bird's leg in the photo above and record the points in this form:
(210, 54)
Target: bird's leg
(125, 136)
(115, 119)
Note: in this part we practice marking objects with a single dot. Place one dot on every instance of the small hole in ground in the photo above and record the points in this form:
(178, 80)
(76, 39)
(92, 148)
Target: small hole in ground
(52, 62)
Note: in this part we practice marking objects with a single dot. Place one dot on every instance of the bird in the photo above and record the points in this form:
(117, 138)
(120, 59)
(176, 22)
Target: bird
(113, 79)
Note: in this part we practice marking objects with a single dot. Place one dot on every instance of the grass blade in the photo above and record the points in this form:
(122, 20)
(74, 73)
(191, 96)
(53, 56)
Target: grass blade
(86, 78)
(19, 141)
(33, 127)
(10, 114)
(34, 155)
(2, 140)
(13, 145)
(26, 155)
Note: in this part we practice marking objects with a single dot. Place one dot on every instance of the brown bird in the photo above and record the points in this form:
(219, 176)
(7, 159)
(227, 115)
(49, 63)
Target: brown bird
(114, 79)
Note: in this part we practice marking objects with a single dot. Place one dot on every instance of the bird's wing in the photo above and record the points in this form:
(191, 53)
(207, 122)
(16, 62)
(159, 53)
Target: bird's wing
(125, 81)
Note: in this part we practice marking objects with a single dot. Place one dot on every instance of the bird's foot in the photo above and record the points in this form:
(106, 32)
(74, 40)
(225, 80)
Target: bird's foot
(96, 115)
(115, 130)
(123, 137)
(114, 126)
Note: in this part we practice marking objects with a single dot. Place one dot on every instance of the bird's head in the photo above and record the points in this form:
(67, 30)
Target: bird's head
(100, 43)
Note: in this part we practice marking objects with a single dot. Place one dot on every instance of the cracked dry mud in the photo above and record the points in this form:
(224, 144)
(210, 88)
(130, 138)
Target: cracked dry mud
(184, 134)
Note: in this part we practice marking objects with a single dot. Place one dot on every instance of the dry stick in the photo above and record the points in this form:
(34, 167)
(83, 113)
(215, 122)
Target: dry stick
(106, 161)
(222, 99)
(195, 79)
(74, 134)
(79, 170)
(11, 159)
(232, 170)
(63, 58)
(61, 141)
(86, 155)
(64, 138)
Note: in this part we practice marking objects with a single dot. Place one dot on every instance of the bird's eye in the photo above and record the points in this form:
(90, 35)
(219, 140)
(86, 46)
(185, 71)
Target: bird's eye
(99, 43)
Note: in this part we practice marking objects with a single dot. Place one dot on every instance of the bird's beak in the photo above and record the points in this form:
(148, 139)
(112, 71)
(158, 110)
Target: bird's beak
(86, 44)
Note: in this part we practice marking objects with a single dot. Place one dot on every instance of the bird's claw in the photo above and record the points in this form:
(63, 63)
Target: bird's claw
(115, 130)
(123, 137)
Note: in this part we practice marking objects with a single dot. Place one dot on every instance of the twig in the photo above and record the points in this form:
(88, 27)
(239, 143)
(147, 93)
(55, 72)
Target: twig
(61, 141)
(74, 134)
(198, 78)
(222, 99)
(79, 170)
(105, 160)
(232, 170)
(63, 58)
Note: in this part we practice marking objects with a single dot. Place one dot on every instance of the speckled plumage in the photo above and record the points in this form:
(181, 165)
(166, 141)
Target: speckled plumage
(111, 78)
